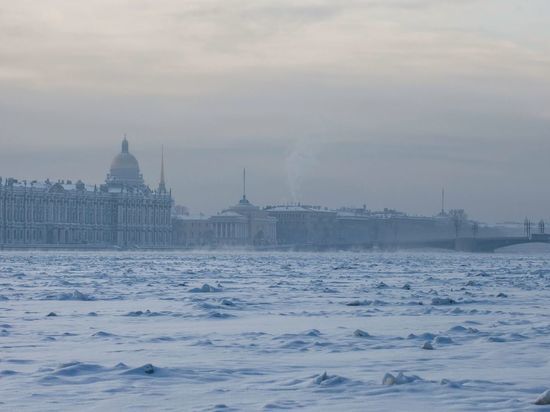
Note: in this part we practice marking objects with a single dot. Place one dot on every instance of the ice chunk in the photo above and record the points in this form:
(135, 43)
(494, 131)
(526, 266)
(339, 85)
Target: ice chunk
(206, 288)
(359, 303)
(443, 301)
(427, 346)
(388, 379)
(450, 383)
(543, 399)
(321, 378)
(139, 313)
(361, 334)
(400, 379)
(148, 369)
(458, 328)
(425, 336)
(329, 380)
(74, 295)
(102, 334)
(443, 340)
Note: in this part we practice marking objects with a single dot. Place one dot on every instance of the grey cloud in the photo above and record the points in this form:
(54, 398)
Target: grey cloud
(395, 98)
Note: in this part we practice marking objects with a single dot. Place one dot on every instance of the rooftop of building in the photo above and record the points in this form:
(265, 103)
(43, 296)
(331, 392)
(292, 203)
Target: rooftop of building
(228, 213)
(298, 208)
(188, 217)
(70, 186)
(66, 185)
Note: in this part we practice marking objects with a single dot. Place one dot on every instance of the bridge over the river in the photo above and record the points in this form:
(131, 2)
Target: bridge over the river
(477, 244)
(463, 244)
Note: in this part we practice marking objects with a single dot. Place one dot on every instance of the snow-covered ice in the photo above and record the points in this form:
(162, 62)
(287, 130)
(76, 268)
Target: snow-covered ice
(230, 331)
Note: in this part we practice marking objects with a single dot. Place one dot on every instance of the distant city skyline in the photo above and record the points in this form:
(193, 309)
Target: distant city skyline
(234, 188)
(336, 104)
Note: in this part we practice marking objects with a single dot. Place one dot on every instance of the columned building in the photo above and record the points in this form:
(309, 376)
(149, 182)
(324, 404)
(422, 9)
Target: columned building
(243, 224)
(261, 229)
(123, 212)
(229, 229)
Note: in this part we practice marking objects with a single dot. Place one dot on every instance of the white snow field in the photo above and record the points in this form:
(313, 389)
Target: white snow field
(230, 331)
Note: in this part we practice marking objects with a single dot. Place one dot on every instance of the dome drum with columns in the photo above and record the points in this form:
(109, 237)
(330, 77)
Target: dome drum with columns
(125, 169)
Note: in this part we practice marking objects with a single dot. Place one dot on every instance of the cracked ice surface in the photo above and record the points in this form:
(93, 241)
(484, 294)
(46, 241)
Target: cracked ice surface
(228, 331)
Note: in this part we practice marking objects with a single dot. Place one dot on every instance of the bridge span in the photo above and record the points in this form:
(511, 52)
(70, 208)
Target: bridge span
(462, 244)
(476, 244)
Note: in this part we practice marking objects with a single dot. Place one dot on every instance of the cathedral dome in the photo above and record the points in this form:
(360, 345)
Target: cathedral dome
(125, 164)
(125, 168)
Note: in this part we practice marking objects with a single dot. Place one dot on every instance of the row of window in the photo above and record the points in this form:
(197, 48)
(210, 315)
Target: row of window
(74, 236)
(71, 213)
(56, 236)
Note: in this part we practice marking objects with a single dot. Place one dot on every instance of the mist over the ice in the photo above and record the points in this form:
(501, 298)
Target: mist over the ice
(331, 103)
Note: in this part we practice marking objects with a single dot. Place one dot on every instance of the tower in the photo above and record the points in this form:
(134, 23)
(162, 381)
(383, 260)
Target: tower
(162, 184)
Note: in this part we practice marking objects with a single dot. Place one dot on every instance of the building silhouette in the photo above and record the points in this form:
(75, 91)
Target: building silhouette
(243, 224)
(123, 212)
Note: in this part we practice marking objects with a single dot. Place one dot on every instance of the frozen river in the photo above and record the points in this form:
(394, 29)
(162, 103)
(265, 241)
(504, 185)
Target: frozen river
(235, 331)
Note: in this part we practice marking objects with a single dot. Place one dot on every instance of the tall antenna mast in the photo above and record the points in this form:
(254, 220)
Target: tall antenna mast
(443, 201)
(244, 183)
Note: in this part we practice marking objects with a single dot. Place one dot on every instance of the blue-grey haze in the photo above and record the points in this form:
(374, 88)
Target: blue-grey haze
(333, 103)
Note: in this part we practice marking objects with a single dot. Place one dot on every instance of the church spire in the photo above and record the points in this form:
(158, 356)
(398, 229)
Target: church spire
(162, 184)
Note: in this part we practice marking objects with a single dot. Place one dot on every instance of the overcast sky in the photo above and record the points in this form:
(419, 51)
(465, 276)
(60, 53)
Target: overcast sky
(326, 102)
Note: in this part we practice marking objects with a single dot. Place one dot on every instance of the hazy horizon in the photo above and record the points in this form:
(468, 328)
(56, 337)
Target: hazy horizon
(346, 103)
